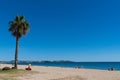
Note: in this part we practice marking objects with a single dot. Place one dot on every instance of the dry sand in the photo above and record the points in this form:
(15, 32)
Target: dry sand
(57, 73)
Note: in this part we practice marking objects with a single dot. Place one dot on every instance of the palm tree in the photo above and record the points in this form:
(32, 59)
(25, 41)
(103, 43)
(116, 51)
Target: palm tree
(18, 27)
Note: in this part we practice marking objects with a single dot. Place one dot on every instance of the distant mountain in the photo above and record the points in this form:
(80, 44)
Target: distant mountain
(30, 61)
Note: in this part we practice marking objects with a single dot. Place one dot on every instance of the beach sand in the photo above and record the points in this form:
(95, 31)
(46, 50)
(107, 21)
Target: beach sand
(58, 73)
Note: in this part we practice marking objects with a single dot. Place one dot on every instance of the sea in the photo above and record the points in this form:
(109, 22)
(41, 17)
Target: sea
(86, 65)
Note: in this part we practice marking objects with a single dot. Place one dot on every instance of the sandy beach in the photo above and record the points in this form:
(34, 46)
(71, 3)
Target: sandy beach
(57, 73)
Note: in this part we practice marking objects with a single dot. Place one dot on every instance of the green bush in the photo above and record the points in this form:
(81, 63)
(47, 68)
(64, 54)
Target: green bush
(6, 68)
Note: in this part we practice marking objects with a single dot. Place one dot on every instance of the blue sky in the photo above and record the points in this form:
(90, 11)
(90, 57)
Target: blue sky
(77, 30)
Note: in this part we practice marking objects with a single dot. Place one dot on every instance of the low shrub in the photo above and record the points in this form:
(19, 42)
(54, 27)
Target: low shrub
(6, 68)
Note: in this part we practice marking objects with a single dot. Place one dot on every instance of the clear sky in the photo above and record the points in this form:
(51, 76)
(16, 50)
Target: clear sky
(77, 30)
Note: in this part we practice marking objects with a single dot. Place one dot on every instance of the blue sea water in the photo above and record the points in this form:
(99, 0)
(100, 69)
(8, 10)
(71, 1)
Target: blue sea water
(88, 65)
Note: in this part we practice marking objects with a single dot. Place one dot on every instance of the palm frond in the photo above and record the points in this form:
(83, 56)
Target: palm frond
(19, 26)
(17, 18)
(21, 18)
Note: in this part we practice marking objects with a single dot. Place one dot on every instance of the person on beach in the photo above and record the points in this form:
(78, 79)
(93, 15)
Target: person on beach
(111, 69)
(29, 67)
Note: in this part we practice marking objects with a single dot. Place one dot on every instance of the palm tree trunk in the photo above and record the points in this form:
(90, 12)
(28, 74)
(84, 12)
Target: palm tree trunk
(16, 53)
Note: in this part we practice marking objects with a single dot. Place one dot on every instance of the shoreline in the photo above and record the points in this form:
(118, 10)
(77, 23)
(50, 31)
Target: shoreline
(85, 65)
(60, 73)
(107, 69)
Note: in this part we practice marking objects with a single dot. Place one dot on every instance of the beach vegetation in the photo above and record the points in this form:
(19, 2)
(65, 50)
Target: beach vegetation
(18, 27)
(6, 68)
(14, 74)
